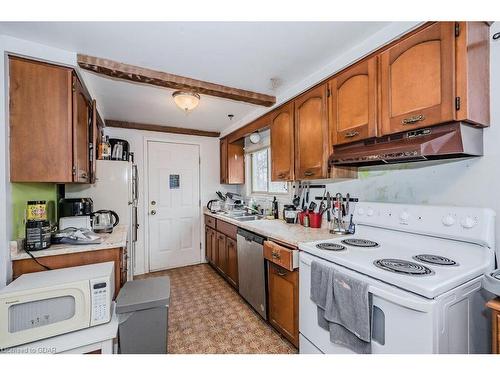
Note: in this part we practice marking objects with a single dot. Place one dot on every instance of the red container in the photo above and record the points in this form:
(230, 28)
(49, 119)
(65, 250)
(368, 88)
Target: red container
(315, 220)
(301, 217)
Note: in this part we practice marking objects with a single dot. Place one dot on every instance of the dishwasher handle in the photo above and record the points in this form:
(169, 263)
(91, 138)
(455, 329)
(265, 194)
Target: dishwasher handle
(250, 237)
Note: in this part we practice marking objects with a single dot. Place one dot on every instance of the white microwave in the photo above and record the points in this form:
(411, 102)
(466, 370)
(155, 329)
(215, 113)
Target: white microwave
(49, 303)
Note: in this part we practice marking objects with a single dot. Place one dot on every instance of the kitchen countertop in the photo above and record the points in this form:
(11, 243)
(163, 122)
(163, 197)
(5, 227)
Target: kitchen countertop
(291, 234)
(118, 238)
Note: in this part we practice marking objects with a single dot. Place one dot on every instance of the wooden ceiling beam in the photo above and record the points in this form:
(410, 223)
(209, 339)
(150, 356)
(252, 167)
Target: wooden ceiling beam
(138, 74)
(160, 128)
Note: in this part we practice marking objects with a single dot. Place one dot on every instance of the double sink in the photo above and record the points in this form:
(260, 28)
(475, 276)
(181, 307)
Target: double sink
(242, 216)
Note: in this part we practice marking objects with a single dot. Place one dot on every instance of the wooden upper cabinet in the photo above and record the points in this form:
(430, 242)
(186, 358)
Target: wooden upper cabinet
(311, 134)
(473, 72)
(232, 161)
(82, 125)
(417, 80)
(353, 103)
(223, 161)
(40, 122)
(51, 120)
(282, 143)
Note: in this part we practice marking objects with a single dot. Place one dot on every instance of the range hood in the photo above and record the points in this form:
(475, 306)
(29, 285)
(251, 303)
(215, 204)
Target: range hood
(446, 141)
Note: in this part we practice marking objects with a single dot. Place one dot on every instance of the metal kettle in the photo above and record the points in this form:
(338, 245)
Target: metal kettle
(103, 221)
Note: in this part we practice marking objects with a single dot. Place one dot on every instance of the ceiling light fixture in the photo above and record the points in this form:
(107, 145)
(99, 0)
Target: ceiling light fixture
(187, 101)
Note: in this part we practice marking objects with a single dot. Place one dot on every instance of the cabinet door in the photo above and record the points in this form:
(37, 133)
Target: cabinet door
(93, 145)
(222, 252)
(223, 161)
(284, 301)
(215, 250)
(353, 103)
(232, 262)
(81, 132)
(311, 135)
(236, 162)
(282, 144)
(208, 244)
(40, 109)
(417, 80)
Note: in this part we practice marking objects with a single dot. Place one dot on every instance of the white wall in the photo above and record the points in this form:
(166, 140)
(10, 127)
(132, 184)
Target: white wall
(36, 51)
(209, 178)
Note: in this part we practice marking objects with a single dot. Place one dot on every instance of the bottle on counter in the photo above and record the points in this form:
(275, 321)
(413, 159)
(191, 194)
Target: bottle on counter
(275, 208)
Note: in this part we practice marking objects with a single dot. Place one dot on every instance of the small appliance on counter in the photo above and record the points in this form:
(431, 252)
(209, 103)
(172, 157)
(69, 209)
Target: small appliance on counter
(49, 303)
(103, 221)
(75, 207)
(75, 213)
(38, 229)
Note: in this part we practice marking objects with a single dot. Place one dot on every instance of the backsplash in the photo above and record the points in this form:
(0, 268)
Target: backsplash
(23, 192)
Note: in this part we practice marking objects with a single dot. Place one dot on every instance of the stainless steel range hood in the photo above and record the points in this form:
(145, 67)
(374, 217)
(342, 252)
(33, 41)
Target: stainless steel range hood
(446, 141)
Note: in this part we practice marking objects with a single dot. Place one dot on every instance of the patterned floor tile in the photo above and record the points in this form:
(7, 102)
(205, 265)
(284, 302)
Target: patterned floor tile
(207, 316)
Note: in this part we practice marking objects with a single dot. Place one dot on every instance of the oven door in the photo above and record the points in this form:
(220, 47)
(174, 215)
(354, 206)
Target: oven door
(401, 322)
(35, 314)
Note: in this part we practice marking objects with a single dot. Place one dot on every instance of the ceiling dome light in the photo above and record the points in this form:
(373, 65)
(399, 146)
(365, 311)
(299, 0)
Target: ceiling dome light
(187, 101)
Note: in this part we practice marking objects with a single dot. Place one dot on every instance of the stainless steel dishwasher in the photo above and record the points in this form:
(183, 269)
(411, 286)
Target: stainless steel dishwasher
(251, 270)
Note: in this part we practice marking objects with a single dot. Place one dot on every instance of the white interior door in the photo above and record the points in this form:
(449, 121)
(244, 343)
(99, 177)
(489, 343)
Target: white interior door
(174, 205)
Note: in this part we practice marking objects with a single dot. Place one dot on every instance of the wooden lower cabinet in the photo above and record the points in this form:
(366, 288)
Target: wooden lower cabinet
(209, 244)
(283, 290)
(221, 251)
(116, 255)
(232, 262)
(494, 305)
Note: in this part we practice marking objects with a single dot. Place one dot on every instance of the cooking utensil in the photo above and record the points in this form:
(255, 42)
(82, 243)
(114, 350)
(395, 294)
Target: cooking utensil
(221, 196)
(312, 206)
(328, 206)
(297, 194)
(307, 193)
(321, 208)
(347, 199)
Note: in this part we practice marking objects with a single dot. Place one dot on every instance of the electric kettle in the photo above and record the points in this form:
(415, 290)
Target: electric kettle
(103, 221)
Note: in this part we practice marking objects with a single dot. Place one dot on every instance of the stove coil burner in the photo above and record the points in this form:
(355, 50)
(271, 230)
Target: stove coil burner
(403, 267)
(435, 259)
(330, 246)
(358, 242)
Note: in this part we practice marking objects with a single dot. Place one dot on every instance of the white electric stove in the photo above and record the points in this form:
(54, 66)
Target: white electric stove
(424, 266)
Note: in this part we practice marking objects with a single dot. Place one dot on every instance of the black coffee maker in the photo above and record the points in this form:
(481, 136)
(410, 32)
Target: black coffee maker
(75, 207)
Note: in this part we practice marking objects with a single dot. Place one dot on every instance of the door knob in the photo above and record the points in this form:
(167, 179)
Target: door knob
(153, 212)
(153, 203)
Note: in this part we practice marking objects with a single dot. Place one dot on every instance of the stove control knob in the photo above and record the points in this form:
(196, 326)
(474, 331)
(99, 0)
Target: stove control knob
(448, 220)
(403, 217)
(369, 212)
(361, 212)
(468, 222)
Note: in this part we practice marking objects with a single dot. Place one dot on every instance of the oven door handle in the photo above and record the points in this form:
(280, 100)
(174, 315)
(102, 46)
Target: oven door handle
(386, 295)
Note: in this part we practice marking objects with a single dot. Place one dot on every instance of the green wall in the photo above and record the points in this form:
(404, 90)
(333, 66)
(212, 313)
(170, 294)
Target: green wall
(23, 192)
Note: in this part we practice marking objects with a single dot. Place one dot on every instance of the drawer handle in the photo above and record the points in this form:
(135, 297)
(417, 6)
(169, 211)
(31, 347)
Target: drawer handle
(351, 134)
(412, 120)
(276, 255)
(280, 273)
(308, 173)
(282, 175)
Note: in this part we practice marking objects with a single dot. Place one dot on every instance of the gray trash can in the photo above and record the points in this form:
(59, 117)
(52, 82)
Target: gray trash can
(142, 308)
